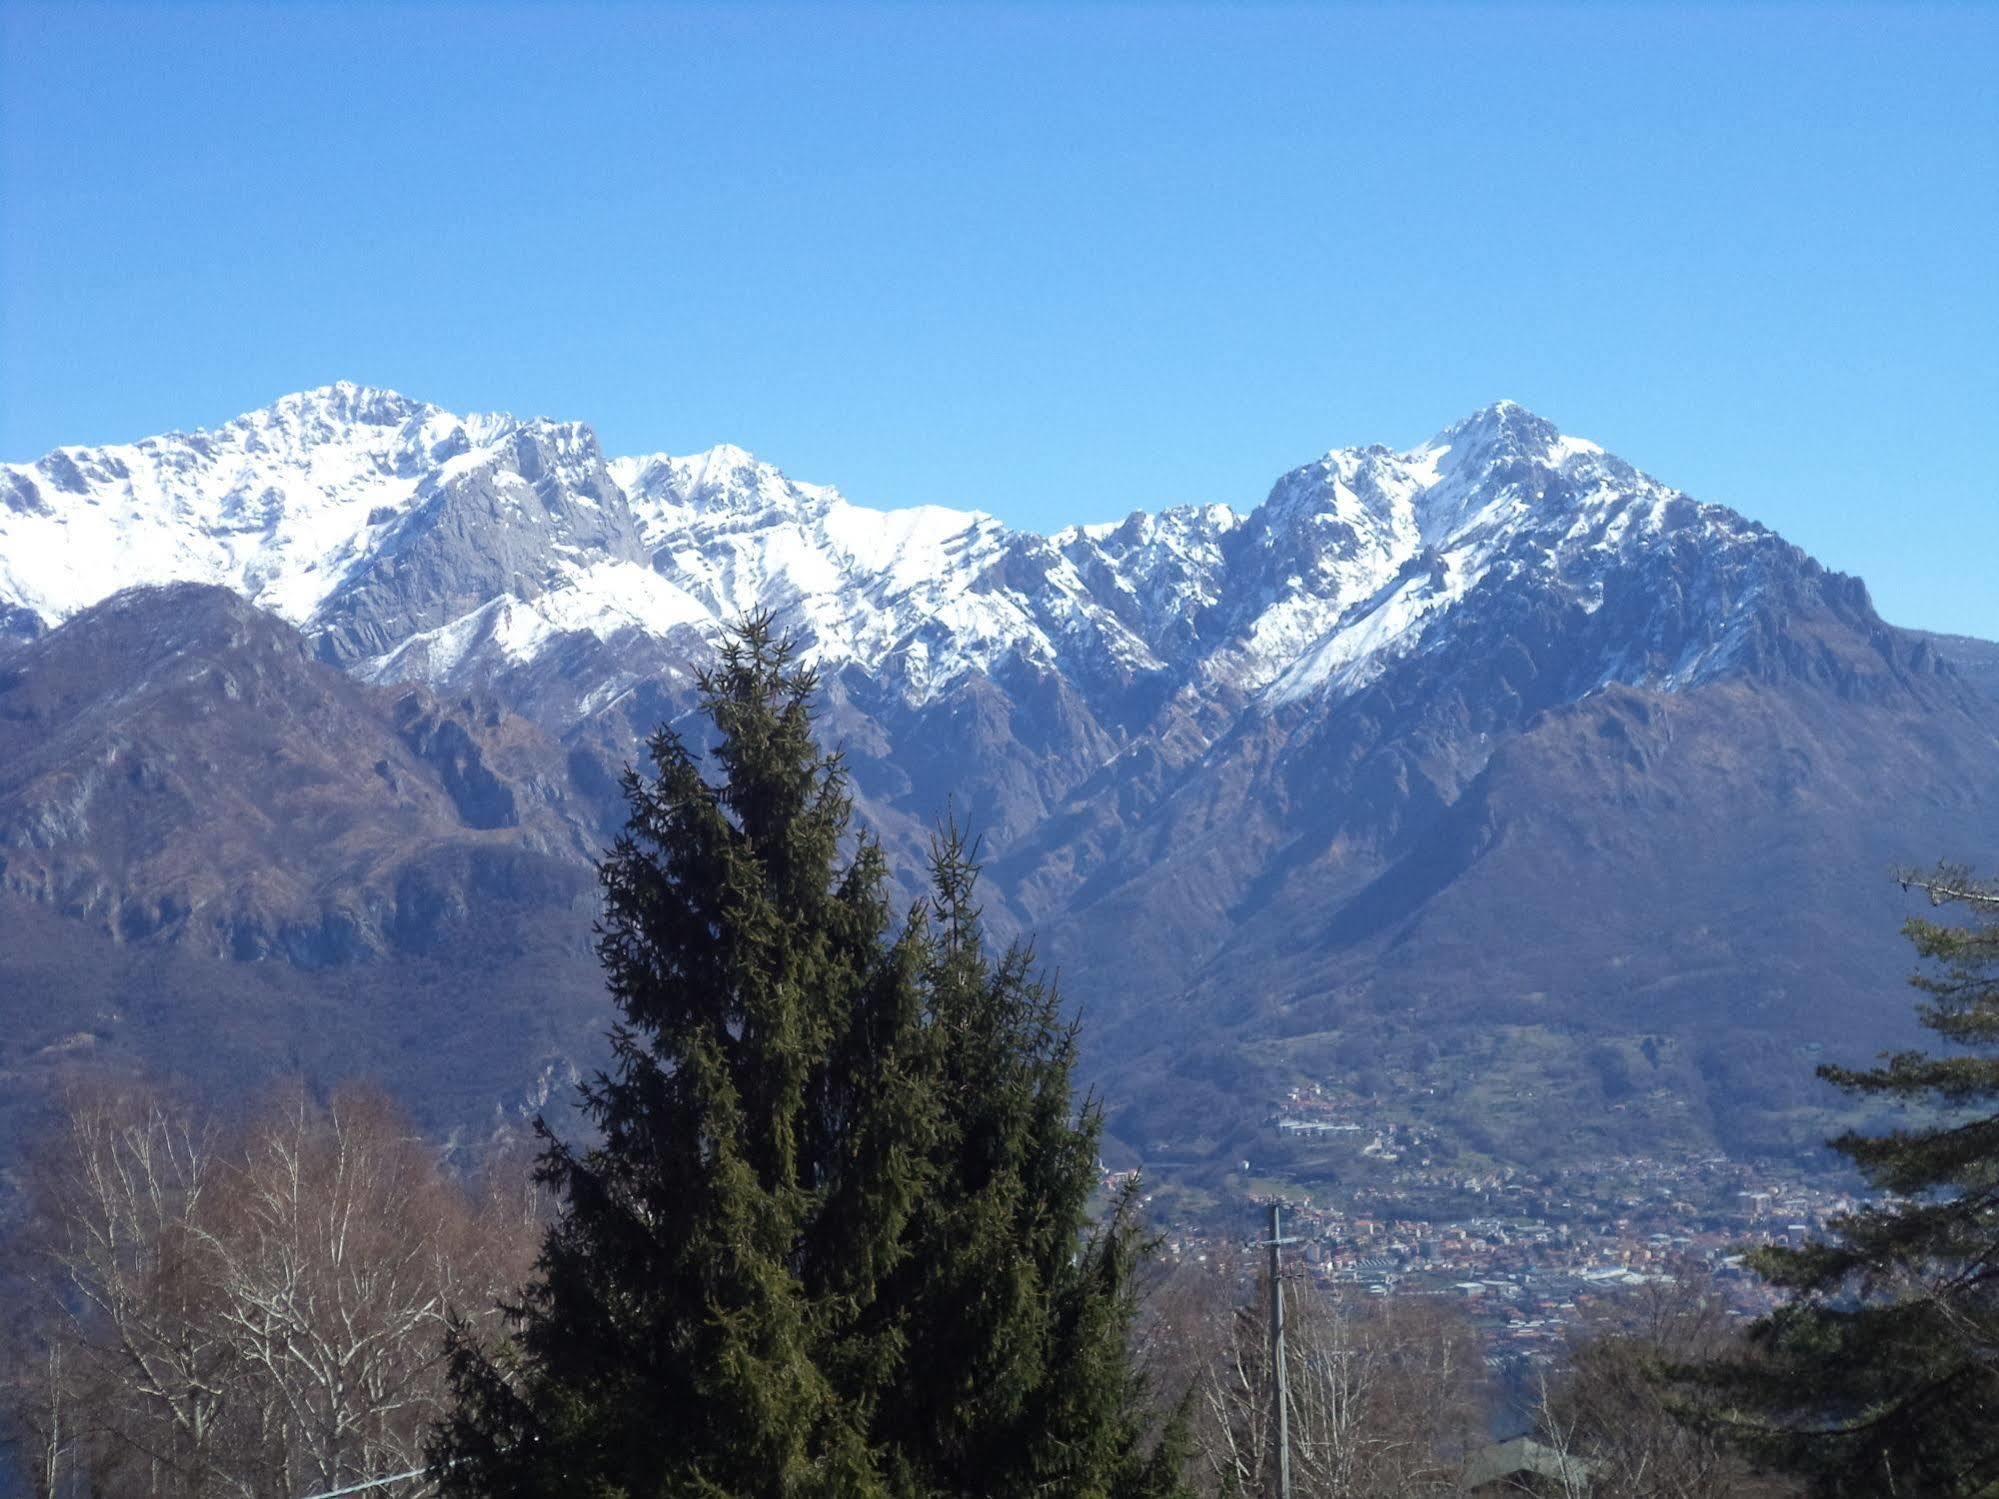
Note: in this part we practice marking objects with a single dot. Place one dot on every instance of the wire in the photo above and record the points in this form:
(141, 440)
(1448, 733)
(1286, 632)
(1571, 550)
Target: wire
(372, 1483)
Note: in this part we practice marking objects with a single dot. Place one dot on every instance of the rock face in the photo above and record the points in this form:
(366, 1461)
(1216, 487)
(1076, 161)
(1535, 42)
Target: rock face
(1492, 743)
(176, 766)
(1977, 661)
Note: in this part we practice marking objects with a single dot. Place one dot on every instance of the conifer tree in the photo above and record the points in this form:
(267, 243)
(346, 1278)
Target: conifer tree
(832, 1238)
(1880, 1374)
(1029, 1321)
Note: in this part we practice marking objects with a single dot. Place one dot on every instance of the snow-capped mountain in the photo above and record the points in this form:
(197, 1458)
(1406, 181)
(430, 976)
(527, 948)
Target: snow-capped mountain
(1494, 736)
(414, 544)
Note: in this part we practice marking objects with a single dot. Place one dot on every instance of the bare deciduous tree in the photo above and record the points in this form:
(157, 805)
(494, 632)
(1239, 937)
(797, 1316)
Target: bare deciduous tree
(1610, 1408)
(1384, 1394)
(127, 1268)
(260, 1313)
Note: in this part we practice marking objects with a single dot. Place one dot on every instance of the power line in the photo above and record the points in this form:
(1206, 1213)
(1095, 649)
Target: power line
(372, 1483)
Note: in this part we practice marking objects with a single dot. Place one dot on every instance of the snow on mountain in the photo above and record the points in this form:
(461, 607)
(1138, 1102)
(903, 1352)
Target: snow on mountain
(273, 505)
(1414, 533)
(1334, 764)
(411, 543)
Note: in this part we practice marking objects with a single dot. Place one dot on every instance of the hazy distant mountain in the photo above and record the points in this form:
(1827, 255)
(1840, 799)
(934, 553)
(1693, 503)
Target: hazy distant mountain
(1493, 766)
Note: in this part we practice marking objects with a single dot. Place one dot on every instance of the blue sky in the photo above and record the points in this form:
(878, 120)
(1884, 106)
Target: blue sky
(1056, 262)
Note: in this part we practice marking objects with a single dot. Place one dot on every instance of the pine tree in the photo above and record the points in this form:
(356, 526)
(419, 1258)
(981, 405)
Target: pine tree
(1880, 1374)
(1002, 1293)
(832, 1238)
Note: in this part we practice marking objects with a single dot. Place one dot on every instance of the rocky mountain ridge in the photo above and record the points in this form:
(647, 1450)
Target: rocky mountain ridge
(1252, 775)
(413, 544)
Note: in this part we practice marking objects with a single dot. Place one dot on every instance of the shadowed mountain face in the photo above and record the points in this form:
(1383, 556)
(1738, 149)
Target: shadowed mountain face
(223, 859)
(176, 767)
(1494, 770)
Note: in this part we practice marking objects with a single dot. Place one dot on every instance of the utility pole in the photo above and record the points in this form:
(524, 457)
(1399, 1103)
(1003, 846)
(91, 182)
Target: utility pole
(1280, 1379)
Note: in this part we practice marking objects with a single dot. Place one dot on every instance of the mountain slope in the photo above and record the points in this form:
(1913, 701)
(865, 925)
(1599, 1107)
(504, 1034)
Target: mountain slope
(1493, 737)
(222, 858)
(175, 764)
(1709, 870)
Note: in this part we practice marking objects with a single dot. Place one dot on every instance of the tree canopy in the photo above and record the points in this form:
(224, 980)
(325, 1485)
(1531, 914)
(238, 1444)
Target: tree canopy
(834, 1231)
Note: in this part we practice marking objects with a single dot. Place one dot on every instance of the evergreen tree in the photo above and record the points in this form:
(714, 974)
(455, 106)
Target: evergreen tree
(1880, 1375)
(1002, 1293)
(834, 1236)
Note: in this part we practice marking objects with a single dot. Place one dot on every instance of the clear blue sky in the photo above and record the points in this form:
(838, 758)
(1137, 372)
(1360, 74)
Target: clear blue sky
(1056, 262)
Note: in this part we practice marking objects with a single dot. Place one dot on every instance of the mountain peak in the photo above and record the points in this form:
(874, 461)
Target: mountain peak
(1503, 424)
(1504, 432)
(726, 455)
(344, 402)
(719, 465)
(722, 478)
(340, 391)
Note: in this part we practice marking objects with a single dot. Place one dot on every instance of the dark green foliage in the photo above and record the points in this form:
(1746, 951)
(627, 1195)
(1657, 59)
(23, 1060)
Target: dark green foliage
(835, 1238)
(1881, 1375)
